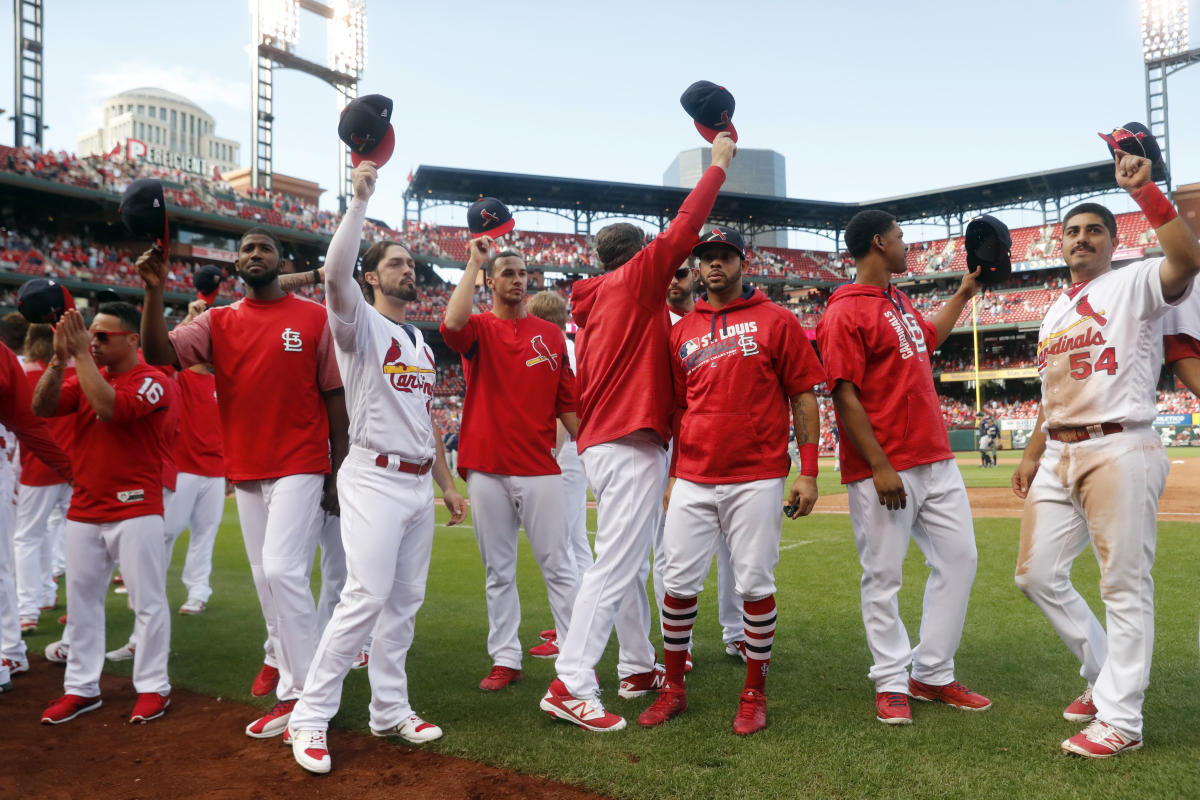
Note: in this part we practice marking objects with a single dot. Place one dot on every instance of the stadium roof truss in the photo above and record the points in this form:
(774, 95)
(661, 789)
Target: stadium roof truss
(588, 201)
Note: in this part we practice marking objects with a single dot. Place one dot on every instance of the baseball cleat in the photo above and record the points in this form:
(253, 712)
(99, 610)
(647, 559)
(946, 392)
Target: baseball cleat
(548, 635)
(362, 659)
(57, 652)
(687, 664)
(62, 620)
(499, 677)
(1100, 740)
(952, 694)
(548, 649)
(751, 714)
(273, 723)
(671, 702)
(149, 705)
(414, 729)
(68, 707)
(123, 653)
(737, 649)
(6, 687)
(1082, 709)
(15, 667)
(121, 589)
(311, 751)
(265, 681)
(586, 713)
(28, 625)
(192, 606)
(643, 683)
(286, 739)
(891, 708)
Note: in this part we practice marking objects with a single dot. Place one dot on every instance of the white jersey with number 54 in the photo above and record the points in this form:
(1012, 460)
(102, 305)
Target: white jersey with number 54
(1100, 349)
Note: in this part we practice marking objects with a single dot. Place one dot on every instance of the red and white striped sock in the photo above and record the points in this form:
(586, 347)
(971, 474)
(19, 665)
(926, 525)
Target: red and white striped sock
(678, 616)
(759, 617)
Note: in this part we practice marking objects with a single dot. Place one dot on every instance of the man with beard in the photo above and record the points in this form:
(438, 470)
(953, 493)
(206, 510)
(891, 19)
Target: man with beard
(518, 382)
(271, 352)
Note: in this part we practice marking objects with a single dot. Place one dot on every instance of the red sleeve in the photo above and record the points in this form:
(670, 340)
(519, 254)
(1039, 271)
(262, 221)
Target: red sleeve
(679, 386)
(140, 397)
(193, 341)
(329, 377)
(69, 397)
(796, 364)
(462, 340)
(649, 273)
(842, 347)
(931, 337)
(16, 414)
(566, 400)
(1180, 345)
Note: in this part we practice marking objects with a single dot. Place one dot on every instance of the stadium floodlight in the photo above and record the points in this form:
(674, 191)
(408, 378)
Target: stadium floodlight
(278, 23)
(347, 37)
(1164, 28)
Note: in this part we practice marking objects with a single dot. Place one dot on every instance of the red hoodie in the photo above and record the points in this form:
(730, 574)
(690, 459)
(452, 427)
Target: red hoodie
(879, 342)
(735, 370)
(623, 380)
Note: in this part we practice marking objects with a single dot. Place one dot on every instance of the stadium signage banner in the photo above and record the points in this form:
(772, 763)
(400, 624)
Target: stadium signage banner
(137, 149)
(1126, 253)
(213, 254)
(991, 374)
(1167, 420)
(1025, 424)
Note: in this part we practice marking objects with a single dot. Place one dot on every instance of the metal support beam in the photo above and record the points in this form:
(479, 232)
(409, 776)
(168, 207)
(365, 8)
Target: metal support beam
(345, 180)
(1157, 110)
(28, 121)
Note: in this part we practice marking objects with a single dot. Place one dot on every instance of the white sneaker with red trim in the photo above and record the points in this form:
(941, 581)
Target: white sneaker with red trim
(586, 713)
(311, 750)
(1100, 740)
(414, 729)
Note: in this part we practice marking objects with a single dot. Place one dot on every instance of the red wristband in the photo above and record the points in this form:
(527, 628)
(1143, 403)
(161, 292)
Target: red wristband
(808, 460)
(1154, 204)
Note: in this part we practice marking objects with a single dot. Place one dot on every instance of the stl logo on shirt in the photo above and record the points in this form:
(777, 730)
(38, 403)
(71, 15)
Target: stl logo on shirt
(292, 343)
(543, 354)
(748, 344)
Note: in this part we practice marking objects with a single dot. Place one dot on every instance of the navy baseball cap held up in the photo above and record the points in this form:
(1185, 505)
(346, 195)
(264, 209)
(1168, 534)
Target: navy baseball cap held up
(489, 217)
(43, 300)
(143, 209)
(988, 245)
(1133, 138)
(721, 235)
(711, 108)
(366, 128)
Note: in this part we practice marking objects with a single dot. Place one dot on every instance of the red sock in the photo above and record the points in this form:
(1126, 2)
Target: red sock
(678, 617)
(759, 617)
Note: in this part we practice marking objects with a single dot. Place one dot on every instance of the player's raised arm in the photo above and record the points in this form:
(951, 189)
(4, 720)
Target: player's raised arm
(952, 309)
(1179, 243)
(156, 344)
(342, 294)
(458, 307)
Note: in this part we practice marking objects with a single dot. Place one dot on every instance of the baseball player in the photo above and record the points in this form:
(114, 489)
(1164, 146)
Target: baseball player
(740, 363)
(518, 383)
(270, 350)
(625, 407)
(899, 472)
(121, 418)
(681, 301)
(1094, 467)
(384, 483)
(42, 498)
(17, 420)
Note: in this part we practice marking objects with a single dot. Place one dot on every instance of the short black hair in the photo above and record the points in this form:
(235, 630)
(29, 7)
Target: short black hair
(491, 264)
(130, 317)
(266, 233)
(863, 228)
(617, 243)
(1100, 211)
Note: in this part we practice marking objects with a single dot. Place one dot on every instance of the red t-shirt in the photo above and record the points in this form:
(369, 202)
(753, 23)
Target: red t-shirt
(1180, 345)
(170, 469)
(34, 471)
(518, 382)
(879, 342)
(621, 349)
(735, 370)
(16, 414)
(118, 464)
(198, 447)
(272, 361)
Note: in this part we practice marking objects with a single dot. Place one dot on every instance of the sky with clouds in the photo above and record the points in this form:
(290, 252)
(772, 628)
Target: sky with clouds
(864, 99)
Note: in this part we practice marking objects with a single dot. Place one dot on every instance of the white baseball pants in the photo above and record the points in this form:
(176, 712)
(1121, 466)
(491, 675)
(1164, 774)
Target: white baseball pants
(11, 645)
(197, 505)
(34, 543)
(500, 505)
(387, 529)
(938, 518)
(1104, 491)
(628, 476)
(333, 568)
(280, 518)
(92, 551)
(747, 516)
(575, 488)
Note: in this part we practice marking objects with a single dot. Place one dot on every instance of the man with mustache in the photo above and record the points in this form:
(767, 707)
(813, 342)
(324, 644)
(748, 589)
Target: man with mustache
(1094, 468)
(283, 413)
(519, 381)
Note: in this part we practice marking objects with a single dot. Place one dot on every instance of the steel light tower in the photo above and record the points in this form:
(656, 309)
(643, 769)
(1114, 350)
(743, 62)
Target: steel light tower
(27, 73)
(1165, 50)
(274, 32)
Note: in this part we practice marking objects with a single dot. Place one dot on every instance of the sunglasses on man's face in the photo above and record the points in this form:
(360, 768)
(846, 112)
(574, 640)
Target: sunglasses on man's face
(682, 273)
(102, 336)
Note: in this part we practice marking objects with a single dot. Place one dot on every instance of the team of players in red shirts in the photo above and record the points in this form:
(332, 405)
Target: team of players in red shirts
(725, 384)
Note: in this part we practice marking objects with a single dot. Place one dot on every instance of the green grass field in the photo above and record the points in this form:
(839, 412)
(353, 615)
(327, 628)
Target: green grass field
(822, 741)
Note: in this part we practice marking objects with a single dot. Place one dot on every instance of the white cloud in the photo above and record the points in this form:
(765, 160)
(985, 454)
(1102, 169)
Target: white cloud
(201, 87)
